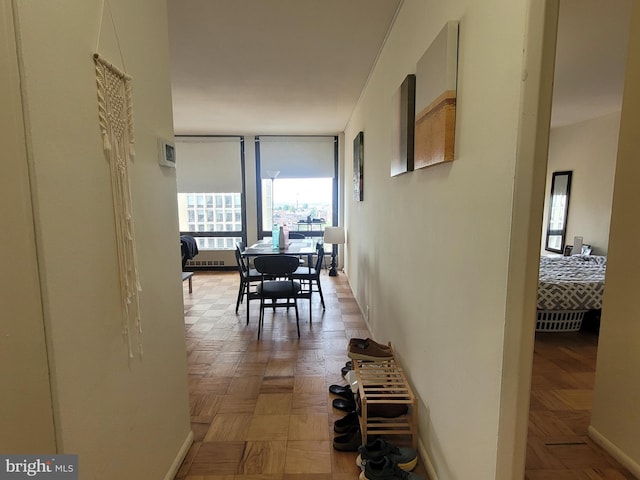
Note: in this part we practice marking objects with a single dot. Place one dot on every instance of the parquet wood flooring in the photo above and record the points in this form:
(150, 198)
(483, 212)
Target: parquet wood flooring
(261, 409)
(558, 447)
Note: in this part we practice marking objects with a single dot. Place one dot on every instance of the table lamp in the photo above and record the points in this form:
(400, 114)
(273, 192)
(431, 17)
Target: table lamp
(334, 236)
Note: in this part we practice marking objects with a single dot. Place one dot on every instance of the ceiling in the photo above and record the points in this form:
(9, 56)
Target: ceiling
(591, 56)
(272, 66)
(298, 66)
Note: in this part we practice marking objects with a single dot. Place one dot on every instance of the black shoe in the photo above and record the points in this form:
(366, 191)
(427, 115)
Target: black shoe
(344, 405)
(344, 392)
(350, 441)
(345, 423)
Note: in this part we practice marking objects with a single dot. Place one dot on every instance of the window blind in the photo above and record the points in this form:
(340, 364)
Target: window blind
(208, 164)
(297, 157)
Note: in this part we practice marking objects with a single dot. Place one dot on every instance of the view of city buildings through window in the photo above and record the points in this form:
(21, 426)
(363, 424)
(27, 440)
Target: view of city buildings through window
(211, 212)
(301, 204)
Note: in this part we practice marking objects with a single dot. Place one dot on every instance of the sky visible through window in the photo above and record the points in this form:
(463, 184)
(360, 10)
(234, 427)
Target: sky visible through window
(302, 190)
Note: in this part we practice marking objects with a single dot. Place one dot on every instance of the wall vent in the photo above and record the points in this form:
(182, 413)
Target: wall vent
(205, 263)
(213, 259)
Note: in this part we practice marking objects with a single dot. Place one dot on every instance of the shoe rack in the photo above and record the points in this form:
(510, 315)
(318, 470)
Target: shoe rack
(383, 383)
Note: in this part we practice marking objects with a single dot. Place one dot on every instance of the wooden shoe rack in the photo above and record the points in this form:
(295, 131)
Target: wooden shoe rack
(383, 383)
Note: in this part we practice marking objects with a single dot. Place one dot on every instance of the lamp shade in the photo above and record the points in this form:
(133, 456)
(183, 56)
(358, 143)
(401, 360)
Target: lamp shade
(334, 235)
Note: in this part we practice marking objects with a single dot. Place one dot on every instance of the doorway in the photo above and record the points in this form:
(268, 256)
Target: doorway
(591, 49)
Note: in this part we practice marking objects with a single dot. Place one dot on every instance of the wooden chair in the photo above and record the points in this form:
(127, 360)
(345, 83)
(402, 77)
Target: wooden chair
(284, 288)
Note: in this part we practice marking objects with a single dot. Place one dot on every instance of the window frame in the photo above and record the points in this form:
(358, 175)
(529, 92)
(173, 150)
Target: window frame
(334, 197)
(243, 198)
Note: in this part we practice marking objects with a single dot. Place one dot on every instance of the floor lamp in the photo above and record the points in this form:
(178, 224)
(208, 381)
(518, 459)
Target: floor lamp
(272, 174)
(334, 236)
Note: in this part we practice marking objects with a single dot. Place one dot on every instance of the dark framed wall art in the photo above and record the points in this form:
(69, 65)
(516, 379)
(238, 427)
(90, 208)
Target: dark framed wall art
(404, 103)
(358, 167)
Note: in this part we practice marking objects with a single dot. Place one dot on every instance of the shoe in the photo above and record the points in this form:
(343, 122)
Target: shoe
(344, 392)
(365, 340)
(406, 458)
(344, 404)
(350, 441)
(366, 350)
(384, 410)
(387, 410)
(347, 368)
(386, 469)
(344, 424)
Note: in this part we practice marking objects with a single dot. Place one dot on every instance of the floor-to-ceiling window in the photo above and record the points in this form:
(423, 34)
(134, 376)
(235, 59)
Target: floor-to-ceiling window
(211, 206)
(297, 183)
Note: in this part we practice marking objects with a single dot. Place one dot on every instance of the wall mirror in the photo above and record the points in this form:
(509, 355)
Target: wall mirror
(558, 211)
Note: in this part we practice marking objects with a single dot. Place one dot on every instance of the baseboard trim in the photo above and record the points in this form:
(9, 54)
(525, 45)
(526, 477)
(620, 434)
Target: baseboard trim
(173, 470)
(426, 459)
(614, 451)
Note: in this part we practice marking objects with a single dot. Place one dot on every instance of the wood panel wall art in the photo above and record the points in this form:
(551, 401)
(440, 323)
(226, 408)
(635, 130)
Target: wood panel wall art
(436, 92)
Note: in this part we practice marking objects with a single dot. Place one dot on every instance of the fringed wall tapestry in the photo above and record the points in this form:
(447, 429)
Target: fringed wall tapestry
(116, 124)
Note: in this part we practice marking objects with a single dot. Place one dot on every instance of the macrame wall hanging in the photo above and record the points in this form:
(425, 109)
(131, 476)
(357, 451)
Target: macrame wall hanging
(115, 114)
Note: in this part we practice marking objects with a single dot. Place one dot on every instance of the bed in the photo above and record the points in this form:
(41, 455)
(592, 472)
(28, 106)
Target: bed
(568, 287)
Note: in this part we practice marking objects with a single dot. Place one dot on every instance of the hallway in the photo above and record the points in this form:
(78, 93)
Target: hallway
(263, 407)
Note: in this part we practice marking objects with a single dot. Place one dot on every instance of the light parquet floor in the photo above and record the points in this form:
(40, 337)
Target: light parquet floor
(262, 409)
(558, 447)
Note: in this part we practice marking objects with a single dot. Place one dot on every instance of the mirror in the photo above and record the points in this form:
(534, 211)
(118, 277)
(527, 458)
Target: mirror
(558, 211)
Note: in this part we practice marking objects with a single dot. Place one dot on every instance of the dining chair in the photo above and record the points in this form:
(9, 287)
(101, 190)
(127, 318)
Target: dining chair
(311, 275)
(247, 277)
(297, 236)
(284, 288)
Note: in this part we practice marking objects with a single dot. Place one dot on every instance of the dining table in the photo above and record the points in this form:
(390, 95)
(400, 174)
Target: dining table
(299, 247)
(303, 247)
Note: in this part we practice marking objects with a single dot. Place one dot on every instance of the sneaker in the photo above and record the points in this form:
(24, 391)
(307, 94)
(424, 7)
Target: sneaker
(406, 458)
(386, 469)
(367, 350)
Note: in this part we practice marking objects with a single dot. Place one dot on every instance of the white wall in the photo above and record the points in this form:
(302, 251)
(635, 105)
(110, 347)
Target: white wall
(124, 418)
(615, 420)
(26, 418)
(589, 150)
(453, 224)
